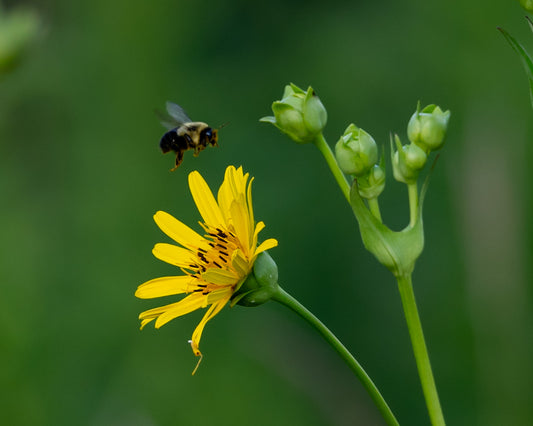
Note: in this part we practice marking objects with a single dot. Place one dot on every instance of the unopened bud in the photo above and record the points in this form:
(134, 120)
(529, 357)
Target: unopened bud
(407, 161)
(301, 115)
(356, 151)
(427, 128)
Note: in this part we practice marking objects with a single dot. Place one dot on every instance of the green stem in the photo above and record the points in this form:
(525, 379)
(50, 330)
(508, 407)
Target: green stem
(373, 206)
(420, 350)
(412, 189)
(324, 148)
(286, 299)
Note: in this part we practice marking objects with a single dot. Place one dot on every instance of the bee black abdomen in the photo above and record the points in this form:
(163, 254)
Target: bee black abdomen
(171, 141)
(167, 141)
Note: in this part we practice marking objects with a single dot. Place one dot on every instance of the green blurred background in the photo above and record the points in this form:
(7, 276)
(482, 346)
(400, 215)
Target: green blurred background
(81, 175)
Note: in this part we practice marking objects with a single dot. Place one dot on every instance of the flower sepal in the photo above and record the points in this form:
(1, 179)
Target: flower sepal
(260, 285)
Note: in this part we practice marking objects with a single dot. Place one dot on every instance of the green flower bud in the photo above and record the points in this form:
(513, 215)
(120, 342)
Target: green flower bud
(373, 184)
(407, 161)
(427, 128)
(527, 4)
(299, 114)
(17, 31)
(260, 284)
(356, 151)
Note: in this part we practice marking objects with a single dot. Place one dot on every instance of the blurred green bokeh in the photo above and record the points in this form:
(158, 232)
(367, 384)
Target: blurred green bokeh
(81, 175)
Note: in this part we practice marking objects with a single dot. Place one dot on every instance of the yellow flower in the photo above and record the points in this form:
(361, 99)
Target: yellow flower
(216, 264)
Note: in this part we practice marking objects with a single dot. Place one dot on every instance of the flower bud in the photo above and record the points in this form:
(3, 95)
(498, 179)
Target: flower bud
(407, 161)
(356, 151)
(299, 114)
(260, 284)
(373, 184)
(527, 5)
(427, 128)
(17, 30)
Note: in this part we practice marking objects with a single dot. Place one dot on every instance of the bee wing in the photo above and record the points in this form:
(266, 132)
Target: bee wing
(177, 113)
(166, 120)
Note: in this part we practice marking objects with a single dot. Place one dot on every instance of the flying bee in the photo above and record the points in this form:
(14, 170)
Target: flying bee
(184, 134)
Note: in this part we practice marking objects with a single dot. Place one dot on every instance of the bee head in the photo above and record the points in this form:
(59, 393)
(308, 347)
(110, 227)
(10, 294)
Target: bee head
(211, 135)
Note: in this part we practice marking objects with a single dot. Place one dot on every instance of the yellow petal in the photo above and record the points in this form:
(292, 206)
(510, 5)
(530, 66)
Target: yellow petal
(206, 203)
(221, 293)
(174, 255)
(146, 321)
(266, 245)
(212, 311)
(258, 228)
(240, 219)
(240, 263)
(178, 231)
(153, 313)
(164, 286)
(225, 195)
(249, 203)
(236, 182)
(219, 276)
(189, 304)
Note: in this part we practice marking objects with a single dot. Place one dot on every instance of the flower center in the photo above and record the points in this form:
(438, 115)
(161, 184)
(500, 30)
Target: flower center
(222, 243)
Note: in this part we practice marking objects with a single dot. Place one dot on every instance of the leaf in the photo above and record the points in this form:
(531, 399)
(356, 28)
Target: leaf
(524, 57)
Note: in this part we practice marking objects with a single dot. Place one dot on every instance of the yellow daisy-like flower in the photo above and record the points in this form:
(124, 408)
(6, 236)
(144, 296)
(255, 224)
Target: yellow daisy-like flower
(216, 264)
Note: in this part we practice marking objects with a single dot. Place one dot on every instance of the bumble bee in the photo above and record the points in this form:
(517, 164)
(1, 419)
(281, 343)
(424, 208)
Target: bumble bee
(184, 134)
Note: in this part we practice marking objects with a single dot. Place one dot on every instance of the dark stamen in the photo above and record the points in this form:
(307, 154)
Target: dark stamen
(222, 233)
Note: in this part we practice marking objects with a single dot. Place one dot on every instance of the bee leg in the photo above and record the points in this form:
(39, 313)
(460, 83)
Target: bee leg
(179, 159)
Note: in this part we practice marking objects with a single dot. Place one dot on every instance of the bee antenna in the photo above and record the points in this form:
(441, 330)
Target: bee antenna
(223, 125)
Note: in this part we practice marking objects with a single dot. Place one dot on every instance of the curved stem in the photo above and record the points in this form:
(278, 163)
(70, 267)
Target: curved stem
(420, 350)
(324, 148)
(286, 299)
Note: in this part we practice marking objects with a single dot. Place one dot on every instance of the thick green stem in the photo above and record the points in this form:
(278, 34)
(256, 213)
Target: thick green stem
(412, 189)
(420, 351)
(286, 299)
(373, 206)
(324, 148)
